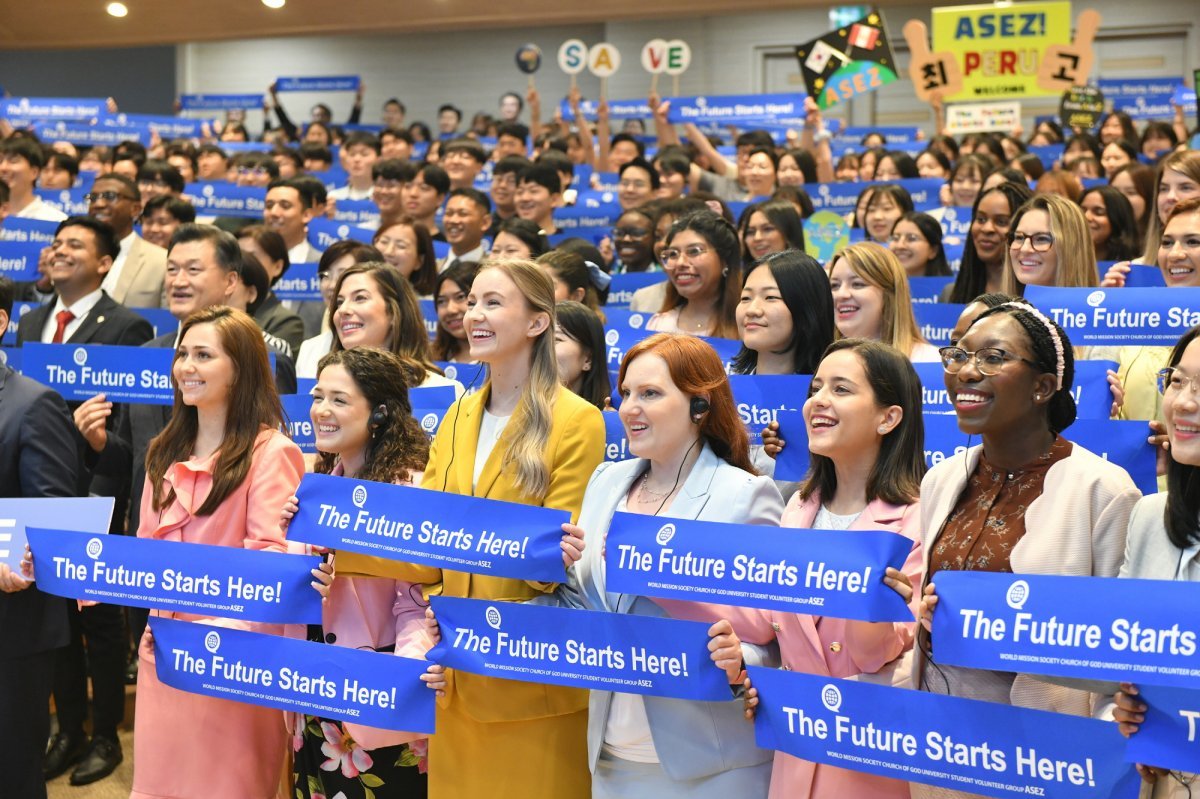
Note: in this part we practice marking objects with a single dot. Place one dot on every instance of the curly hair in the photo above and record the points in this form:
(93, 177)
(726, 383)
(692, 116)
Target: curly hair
(397, 447)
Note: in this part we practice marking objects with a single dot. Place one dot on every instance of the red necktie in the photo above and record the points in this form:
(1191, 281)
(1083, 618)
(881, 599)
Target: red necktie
(63, 318)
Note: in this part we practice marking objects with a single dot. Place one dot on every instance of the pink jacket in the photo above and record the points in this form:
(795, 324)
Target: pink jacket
(843, 648)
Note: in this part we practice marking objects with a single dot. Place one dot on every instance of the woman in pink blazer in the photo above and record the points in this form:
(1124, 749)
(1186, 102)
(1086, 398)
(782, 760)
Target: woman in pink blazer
(217, 474)
(865, 474)
(364, 430)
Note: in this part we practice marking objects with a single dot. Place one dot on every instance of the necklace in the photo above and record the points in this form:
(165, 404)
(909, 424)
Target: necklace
(644, 492)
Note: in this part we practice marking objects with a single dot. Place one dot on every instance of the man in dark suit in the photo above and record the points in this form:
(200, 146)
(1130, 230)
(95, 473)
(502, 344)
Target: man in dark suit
(39, 457)
(82, 313)
(204, 268)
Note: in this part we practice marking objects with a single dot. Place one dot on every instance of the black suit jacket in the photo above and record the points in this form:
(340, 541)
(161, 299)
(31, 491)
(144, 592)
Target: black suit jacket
(124, 455)
(39, 457)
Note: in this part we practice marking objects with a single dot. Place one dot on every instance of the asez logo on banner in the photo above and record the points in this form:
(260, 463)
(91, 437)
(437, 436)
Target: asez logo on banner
(1018, 595)
(359, 497)
(94, 548)
(208, 191)
(343, 231)
(665, 534)
(1095, 299)
(80, 356)
(452, 372)
(636, 320)
(493, 617)
(429, 422)
(212, 641)
(831, 698)
(610, 338)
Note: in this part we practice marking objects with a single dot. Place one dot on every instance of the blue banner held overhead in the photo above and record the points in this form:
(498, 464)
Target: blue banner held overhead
(582, 648)
(828, 573)
(228, 582)
(356, 212)
(19, 259)
(1169, 737)
(23, 108)
(473, 534)
(165, 127)
(30, 231)
(1090, 628)
(323, 233)
(338, 83)
(574, 219)
(69, 201)
(86, 514)
(92, 135)
(300, 282)
(374, 689)
(735, 108)
(122, 374)
(617, 109)
(161, 319)
(1119, 317)
(963, 744)
(220, 102)
(1145, 98)
(219, 198)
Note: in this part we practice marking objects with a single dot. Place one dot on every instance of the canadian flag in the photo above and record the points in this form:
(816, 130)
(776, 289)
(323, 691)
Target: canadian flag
(863, 36)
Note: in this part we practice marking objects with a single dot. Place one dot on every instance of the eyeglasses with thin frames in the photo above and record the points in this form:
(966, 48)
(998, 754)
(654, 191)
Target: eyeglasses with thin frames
(989, 360)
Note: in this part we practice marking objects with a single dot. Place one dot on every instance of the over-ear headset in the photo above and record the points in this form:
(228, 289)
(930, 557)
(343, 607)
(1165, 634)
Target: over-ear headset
(699, 407)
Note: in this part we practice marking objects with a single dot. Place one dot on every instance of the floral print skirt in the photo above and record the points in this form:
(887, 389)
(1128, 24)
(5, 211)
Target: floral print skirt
(330, 765)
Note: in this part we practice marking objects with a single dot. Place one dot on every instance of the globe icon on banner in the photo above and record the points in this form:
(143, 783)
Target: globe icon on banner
(212, 641)
(80, 356)
(493, 617)
(1018, 594)
(831, 697)
(429, 422)
(94, 548)
(359, 497)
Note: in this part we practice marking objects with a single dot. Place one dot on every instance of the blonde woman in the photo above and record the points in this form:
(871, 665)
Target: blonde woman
(1049, 244)
(871, 300)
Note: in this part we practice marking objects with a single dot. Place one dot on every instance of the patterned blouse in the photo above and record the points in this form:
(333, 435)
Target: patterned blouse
(989, 518)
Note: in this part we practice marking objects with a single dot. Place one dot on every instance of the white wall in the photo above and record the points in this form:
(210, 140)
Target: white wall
(730, 56)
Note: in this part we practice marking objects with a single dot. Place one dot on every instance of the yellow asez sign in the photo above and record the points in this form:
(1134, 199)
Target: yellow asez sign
(999, 48)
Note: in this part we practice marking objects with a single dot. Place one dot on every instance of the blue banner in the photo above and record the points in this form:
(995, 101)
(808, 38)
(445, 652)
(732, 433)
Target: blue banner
(207, 580)
(573, 219)
(616, 441)
(19, 259)
(625, 328)
(1119, 317)
(1145, 98)
(735, 108)
(1141, 276)
(471, 375)
(828, 573)
(357, 212)
(582, 648)
(122, 374)
(842, 197)
(338, 83)
(86, 514)
(622, 287)
(300, 282)
(1090, 628)
(161, 319)
(792, 461)
(1168, 738)
(1093, 397)
(894, 133)
(92, 135)
(22, 108)
(374, 689)
(617, 109)
(956, 223)
(928, 289)
(428, 407)
(11, 358)
(29, 231)
(165, 127)
(760, 398)
(937, 321)
(963, 744)
(219, 198)
(323, 233)
(472, 534)
(296, 416)
(69, 201)
(19, 309)
(220, 102)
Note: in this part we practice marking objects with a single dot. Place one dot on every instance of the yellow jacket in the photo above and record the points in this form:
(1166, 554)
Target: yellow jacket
(573, 451)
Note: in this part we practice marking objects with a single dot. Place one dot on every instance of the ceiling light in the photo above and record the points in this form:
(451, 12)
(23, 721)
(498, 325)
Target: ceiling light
(117, 9)
(274, 3)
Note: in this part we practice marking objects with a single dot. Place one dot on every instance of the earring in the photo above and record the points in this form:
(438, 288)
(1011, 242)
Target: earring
(882, 430)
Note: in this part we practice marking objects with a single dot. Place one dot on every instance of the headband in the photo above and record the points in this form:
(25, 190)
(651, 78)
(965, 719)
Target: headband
(1059, 362)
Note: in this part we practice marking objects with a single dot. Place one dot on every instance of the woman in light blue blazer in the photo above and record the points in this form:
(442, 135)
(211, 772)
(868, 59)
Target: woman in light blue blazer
(692, 463)
(1164, 535)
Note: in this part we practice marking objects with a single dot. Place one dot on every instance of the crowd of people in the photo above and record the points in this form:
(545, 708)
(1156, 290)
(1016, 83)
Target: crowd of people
(472, 220)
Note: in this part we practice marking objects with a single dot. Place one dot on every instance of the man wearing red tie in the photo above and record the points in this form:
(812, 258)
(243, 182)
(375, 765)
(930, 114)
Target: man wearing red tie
(82, 313)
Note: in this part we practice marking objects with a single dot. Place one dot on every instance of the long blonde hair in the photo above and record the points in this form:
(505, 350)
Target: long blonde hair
(879, 267)
(1185, 162)
(1072, 245)
(529, 430)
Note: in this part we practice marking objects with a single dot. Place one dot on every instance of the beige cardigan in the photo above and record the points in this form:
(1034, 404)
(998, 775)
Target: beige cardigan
(1076, 527)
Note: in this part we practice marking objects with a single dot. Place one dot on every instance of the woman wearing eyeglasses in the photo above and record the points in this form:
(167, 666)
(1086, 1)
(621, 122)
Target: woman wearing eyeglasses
(703, 263)
(1164, 529)
(1049, 245)
(1026, 500)
(633, 242)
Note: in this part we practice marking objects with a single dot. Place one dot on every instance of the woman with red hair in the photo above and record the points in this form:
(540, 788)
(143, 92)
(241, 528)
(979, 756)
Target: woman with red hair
(692, 461)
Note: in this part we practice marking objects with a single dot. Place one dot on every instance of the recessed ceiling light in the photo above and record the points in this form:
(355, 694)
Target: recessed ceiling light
(117, 9)
(274, 3)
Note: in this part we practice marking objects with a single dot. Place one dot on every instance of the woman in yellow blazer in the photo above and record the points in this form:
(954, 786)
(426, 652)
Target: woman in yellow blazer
(521, 438)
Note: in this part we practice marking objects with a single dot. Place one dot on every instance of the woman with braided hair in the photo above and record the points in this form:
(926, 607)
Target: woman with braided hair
(1026, 500)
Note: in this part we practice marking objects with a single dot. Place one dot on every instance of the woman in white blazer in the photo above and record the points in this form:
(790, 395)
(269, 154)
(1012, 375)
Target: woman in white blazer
(1025, 501)
(1164, 535)
(692, 463)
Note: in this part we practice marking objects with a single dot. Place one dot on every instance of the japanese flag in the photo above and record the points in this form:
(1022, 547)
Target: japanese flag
(863, 36)
(818, 59)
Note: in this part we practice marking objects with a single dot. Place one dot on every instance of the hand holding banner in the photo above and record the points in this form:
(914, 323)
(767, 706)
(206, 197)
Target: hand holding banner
(173, 575)
(370, 688)
(1169, 735)
(837, 574)
(473, 534)
(581, 648)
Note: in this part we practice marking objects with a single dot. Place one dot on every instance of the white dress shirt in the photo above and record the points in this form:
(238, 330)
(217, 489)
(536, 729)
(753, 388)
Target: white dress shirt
(82, 307)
